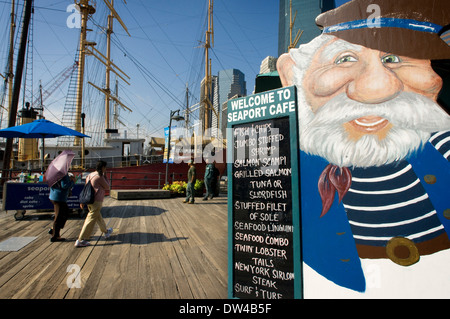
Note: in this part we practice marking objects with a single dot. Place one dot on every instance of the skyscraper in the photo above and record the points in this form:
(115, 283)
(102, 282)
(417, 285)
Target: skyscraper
(230, 83)
(211, 97)
(269, 64)
(307, 11)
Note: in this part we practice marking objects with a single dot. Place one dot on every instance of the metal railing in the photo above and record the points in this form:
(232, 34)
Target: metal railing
(119, 161)
(136, 180)
(91, 162)
(116, 179)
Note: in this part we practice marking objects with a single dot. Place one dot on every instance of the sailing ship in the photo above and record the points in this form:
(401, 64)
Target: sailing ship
(128, 157)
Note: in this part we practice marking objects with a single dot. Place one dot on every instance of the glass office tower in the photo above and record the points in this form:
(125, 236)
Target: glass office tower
(230, 83)
(307, 11)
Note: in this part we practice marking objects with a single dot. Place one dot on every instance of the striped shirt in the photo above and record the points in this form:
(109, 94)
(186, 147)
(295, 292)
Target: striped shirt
(388, 201)
(441, 141)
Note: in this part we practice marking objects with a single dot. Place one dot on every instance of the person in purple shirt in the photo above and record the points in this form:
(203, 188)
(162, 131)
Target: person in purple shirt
(100, 185)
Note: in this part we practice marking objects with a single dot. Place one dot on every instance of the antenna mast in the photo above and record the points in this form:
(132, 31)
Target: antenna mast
(293, 44)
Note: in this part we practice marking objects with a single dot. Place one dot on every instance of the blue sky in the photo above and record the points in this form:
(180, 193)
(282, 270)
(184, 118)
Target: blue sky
(163, 54)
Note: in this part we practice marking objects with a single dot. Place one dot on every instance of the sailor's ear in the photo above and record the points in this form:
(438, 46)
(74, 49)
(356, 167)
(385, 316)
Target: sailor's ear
(285, 69)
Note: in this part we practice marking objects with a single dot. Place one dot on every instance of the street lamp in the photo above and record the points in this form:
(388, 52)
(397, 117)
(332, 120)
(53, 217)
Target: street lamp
(177, 117)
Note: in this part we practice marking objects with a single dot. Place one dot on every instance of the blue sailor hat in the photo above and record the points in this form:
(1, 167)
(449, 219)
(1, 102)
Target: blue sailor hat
(416, 28)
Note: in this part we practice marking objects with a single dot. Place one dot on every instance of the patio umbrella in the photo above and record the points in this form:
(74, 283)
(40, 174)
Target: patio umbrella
(41, 128)
(59, 167)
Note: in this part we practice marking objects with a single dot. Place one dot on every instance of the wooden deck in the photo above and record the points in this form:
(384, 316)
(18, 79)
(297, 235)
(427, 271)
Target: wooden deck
(160, 249)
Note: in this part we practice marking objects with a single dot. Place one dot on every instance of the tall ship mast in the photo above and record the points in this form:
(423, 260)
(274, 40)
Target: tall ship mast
(110, 67)
(87, 47)
(85, 10)
(14, 97)
(209, 42)
(293, 43)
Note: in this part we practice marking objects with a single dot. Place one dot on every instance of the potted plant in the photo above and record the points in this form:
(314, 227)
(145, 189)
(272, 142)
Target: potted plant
(177, 188)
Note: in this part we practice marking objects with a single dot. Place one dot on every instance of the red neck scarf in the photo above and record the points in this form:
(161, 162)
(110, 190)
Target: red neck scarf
(333, 178)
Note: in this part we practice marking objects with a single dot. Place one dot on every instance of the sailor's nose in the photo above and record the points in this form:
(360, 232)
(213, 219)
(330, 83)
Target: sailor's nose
(376, 83)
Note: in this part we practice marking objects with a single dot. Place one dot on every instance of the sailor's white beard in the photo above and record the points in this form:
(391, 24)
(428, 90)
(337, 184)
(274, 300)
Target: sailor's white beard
(413, 116)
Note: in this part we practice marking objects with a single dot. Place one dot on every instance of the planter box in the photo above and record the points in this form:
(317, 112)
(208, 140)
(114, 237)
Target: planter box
(127, 194)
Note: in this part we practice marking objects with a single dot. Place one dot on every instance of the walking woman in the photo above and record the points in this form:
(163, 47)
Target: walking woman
(100, 185)
(59, 193)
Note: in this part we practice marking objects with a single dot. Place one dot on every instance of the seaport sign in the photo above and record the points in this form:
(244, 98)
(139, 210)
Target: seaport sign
(261, 105)
(201, 146)
(263, 207)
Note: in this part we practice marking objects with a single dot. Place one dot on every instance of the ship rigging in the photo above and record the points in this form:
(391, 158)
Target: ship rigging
(95, 75)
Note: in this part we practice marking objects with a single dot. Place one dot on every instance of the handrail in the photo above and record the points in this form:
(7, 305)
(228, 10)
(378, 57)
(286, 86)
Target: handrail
(91, 161)
(117, 179)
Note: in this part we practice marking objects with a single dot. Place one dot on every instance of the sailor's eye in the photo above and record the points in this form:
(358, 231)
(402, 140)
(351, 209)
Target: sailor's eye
(390, 58)
(346, 58)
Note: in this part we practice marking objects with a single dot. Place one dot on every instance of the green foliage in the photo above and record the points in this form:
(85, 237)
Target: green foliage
(199, 184)
(177, 187)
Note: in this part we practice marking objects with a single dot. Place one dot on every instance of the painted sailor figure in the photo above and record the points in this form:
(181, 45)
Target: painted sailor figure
(375, 150)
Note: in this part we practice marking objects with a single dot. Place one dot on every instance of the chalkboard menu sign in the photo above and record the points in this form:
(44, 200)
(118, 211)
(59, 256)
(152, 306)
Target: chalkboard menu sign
(264, 248)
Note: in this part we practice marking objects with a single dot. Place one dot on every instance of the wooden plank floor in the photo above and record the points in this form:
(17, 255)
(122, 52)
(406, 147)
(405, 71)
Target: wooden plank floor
(160, 249)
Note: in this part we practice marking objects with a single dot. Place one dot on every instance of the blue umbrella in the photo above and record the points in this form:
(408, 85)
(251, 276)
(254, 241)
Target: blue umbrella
(39, 129)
